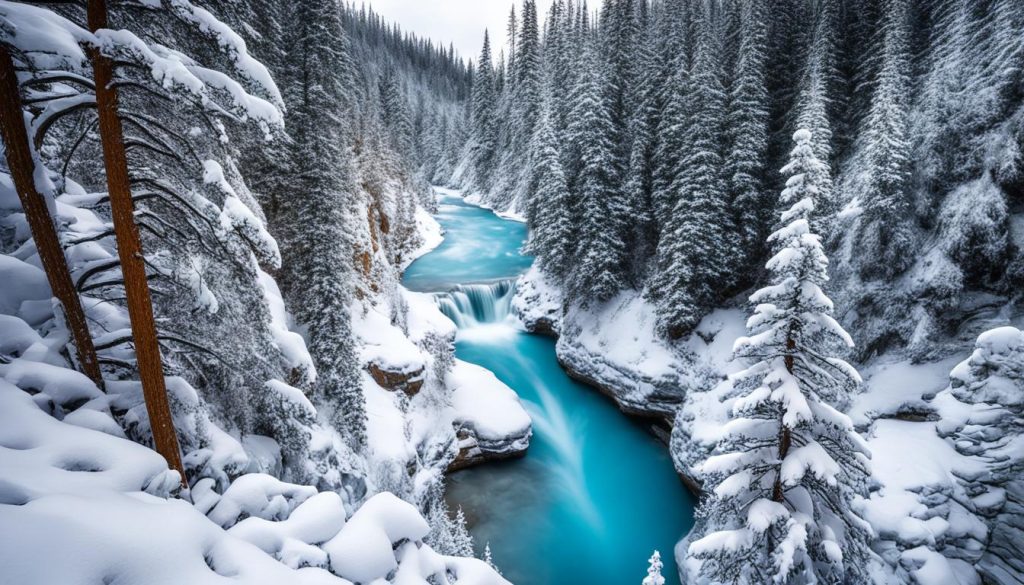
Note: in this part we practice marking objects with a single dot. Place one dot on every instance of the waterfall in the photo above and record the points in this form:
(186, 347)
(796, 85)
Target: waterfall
(470, 305)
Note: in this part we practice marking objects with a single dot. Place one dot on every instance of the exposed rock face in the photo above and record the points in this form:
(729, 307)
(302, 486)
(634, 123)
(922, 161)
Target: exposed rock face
(990, 388)
(538, 304)
(474, 451)
(409, 382)
(634, 392)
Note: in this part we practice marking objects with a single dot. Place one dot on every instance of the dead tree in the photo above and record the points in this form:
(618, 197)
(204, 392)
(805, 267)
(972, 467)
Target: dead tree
(22, 164)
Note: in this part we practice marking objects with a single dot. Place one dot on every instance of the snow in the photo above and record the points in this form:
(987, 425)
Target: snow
(480, 200)
(486, 405)
(231, 43)
(64, 386)
(53, 42)
(431, 236)
(23, 282)
(897, 385)
(17, 336)
(258, 495)
(385, 345)
(537, 300)
(80, 505)
(624, 330)
(362, 550)
(291, 344)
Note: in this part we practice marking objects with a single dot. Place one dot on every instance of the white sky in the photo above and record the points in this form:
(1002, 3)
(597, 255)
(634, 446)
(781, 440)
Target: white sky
(457, 21)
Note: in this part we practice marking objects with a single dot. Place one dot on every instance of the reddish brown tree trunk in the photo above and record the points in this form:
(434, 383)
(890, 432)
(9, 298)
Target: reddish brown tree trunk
(22, 165)
(129, 250)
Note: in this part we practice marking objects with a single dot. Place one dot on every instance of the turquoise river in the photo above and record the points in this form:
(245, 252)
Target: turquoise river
(596, 492)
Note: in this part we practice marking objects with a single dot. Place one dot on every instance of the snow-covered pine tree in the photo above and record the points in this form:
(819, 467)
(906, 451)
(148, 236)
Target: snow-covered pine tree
(654, 576)
(529, 74)
(639, 175)
(395, 113)
(787, 474)
(815, 106)
(551, 239)
(672, 86)
(483, 133)
(22, 164)
(600, 254)
(318, 275)
(747, 137)
(885, 234)
(694, 256)
(489, 558)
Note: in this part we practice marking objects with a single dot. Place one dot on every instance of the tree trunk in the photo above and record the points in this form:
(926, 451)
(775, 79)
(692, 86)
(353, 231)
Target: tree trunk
(22, 164)
(785, 435)
(129, 250)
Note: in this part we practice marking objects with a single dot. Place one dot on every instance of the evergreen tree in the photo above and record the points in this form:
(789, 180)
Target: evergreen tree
(551, 238)
(747, 128)
(885, 233)
(483, 135)
(639, 184)
(694, 252)
(654, 571)
(395, 113)
(528, 76)
(317, 248)
(815, 105)
(787, 474)
(600, 255)
(489, 558)
(672, 87)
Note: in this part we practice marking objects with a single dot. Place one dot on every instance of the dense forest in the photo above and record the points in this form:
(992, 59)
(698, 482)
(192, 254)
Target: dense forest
(644, 144)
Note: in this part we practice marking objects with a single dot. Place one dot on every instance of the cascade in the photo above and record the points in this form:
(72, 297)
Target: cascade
(469, 305)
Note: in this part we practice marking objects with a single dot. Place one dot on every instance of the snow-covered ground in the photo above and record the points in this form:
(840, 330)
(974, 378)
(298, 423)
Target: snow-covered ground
(80, 503)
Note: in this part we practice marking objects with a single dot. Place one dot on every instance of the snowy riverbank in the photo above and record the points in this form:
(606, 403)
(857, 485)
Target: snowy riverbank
(932, 530)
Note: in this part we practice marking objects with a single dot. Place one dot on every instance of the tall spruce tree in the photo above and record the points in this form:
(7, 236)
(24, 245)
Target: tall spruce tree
(747, 135)
(318, 250)
(600, 255)
(786, 476)
(694, 252)
(551, 239)
(483, 129)
(815, 105)
(885, 233)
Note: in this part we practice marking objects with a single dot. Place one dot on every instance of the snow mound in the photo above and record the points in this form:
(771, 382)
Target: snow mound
(487, 406)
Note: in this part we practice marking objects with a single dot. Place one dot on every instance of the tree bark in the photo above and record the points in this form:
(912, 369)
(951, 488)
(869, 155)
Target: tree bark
(129, 250)
(785, 435)
(21, 161)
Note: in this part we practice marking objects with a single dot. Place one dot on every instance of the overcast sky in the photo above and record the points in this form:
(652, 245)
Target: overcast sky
(457, 21)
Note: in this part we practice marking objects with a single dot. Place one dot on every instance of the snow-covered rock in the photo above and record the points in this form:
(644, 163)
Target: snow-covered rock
(490, 421)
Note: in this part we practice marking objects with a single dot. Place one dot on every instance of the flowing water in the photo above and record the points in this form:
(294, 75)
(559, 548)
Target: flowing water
(596, 492)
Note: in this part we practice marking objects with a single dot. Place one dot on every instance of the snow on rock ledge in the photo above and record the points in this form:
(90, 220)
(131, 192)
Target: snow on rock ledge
(491, 423)
(615, 348)
(538, 303)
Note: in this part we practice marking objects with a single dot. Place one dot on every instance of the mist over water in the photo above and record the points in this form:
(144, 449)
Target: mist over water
(596, 492)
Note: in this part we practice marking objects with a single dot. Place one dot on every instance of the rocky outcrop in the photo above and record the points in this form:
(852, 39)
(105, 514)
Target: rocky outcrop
(988, 388)
(408, 381)
(490, 422)
(537, 304)
(474, 451)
